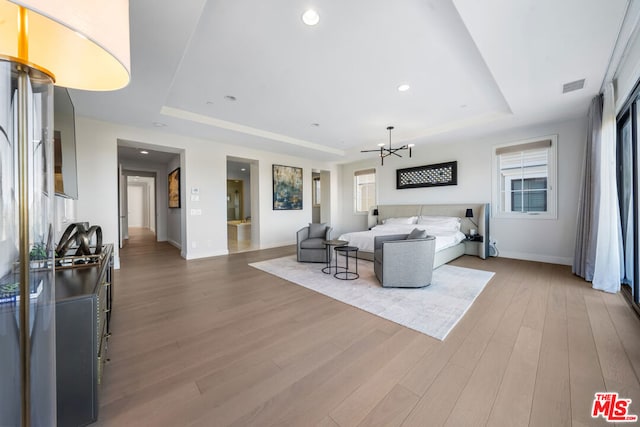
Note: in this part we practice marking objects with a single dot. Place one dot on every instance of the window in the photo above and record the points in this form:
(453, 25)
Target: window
(365, 190)
(525, 178)
(316, 191)
(627, 160)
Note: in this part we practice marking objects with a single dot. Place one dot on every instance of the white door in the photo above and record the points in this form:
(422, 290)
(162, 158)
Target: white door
(136, 204)
(122, 184)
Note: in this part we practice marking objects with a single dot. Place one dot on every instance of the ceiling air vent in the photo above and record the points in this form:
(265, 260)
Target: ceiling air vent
(571, 86)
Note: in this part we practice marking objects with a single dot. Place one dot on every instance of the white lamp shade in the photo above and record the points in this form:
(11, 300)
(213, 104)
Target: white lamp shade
(82, 44)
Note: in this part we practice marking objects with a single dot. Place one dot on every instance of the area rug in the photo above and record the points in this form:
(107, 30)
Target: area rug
(433, 310)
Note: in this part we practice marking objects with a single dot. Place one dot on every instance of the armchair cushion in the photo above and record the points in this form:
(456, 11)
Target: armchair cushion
(313, 243)
(416, 233)
(317, 230)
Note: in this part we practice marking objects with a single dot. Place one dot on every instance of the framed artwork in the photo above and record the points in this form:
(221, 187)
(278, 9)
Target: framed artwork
(436, 175)
(287, 188)
(174, 188)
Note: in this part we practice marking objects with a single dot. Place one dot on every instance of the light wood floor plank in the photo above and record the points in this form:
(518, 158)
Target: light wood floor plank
(301, 405)
(436, 404)
(477, 397)
(552, 395)
(392, 410)
(615, 364)
(513, 403)
(584, 366)
(355, 408)
(626, 322)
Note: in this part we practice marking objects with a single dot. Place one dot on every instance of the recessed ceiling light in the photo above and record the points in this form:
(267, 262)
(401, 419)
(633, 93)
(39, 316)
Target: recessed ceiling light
(310, 17)
(159, 124)
(144, 152)
(230, 98)
(403, 87)
(243, 169)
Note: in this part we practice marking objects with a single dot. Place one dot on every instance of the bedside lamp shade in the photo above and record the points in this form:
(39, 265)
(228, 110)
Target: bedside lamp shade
(81, 44)
(469, 215)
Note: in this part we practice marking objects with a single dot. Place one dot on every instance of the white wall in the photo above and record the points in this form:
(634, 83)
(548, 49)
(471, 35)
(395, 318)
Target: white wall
(202, 166)
(65, 214)
(532, 239)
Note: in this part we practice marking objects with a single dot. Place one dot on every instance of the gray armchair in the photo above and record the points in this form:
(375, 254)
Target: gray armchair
(402, 263)
(309, 243)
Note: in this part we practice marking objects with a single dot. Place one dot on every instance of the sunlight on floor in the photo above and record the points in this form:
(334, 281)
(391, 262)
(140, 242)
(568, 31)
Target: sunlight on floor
(237, 246)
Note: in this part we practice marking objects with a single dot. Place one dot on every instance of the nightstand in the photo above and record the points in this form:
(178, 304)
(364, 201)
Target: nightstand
(473, 245)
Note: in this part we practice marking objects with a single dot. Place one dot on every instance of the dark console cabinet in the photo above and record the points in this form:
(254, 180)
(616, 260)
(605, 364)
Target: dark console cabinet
(83, 310)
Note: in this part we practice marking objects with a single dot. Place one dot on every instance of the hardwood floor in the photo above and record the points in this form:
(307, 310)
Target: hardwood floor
(214, 342)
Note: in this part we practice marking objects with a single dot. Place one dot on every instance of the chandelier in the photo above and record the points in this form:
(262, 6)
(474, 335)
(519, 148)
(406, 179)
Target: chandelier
(387, 151)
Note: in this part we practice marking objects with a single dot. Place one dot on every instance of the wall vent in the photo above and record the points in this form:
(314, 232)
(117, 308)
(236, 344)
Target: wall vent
(571, 86)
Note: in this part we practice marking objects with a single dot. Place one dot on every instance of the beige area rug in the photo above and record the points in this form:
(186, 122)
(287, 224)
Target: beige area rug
(433, 310)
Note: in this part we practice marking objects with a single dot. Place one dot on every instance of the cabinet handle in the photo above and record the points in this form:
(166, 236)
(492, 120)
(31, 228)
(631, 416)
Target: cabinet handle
(99, 370)
(106, 284)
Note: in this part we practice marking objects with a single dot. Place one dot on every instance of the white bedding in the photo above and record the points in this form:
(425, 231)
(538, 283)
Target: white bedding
(363, 240)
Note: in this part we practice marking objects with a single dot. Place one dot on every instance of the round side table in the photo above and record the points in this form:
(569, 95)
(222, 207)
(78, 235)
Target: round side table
(328, 245)
(348, 251)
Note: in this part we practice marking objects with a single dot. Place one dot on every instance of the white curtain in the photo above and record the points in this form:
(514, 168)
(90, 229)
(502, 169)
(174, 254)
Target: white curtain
(608, 270)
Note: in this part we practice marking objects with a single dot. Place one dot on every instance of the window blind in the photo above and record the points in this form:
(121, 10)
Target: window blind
(546, 143)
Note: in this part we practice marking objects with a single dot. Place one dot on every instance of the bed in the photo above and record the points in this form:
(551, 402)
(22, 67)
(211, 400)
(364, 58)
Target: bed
(436, 219)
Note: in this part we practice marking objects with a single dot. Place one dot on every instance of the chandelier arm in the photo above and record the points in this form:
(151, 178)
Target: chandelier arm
(385, 152)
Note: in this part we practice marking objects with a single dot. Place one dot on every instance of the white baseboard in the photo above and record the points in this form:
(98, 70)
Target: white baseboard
(205, 254)
(174, 243)
(537, 257)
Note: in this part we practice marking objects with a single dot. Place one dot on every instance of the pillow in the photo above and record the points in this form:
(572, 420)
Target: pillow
(417, 234)
(317, 230)
(401, 220)
(444, 223)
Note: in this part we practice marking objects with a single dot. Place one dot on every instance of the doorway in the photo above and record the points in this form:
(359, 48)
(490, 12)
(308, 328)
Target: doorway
(141, 203)
(153, 212)
(321, 196)
(235, 200)
(242, 205)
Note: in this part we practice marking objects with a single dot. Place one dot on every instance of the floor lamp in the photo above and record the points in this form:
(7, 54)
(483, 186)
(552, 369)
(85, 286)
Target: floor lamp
(72, 43)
